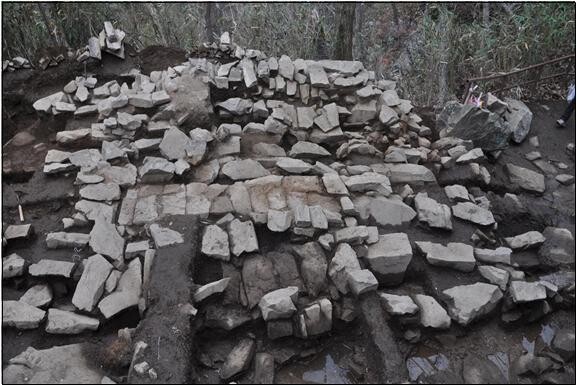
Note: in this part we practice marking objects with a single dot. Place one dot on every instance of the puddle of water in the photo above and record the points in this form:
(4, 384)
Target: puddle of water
(322, 369)
(426, 366)
(528, 345)
(547, 334)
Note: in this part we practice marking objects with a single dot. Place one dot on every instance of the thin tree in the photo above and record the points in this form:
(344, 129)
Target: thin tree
(344, 44)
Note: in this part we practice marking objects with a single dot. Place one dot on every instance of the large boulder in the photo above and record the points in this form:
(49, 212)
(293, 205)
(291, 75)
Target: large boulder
(389, 257)
(486, 129)
(519, 117)
(469, 302)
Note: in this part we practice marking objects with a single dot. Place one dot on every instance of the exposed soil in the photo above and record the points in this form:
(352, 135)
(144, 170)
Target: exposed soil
(331, 358)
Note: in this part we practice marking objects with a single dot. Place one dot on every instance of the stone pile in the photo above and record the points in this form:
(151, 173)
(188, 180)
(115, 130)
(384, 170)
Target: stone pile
(319, 150)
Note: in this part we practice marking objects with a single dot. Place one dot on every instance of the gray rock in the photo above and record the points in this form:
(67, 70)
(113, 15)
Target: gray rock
(210, 289)
(526, 179)
(56, 168)
(268, 149)
(334, 184)
(315, 319)
(362, 281)
(390, 257)
(432, 314)
(20, 315)
(285, 67)
(65, 240)
(101, 192)
(279, 221)
(248, 72)
(564, 343)
(156, 170)
(487, 130)
(92, 210)
(144, 145)
(522, 292)
(499, 255)
(279, 303)
(519, 117)
(65, 364)
(559, 246)
(127, 293)
(65, 322)
(399, 305)
(244, 169)
(467, 303)
(369, 181)
(475, 155)
(313, 266)
(177, 145)
(388, 116)
(389, 212)
(457, 193)
(495, 275)
(318, 218)
(565, 179)
(72, 136)
(458, 256)
(37, 296)
(13, 266)
(236, 106)
(352, 235)
(436, 215)
(473, 213)
(413, 174)
(105, 240)
(478, 370)
(163, 236)
(317, 75)
(526, 240)
(238, 360)
(49, 267)
(56, 156)
(390, 98)
(215, 243)
(263, 368)
(307, 150)
(302, 217)
(242, 237)
(259, 278)
(91, 285)
(293, 166)
(345, 260)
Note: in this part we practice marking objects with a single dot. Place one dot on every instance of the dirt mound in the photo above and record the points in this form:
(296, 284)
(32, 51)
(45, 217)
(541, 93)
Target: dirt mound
(158, 58)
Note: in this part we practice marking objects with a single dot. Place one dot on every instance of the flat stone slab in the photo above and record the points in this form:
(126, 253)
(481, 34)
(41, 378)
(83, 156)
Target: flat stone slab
(61, 364)
(242, 237)
(473, 213)
(215, 243)
(468, 303)
(13, 266)
(498, 255)
(49, 267)
(20, 315)
(244, 169)
(305, 150)
(399, 305)
(436, 215)
(390, 256)
(458, 256)
(279, 303)
(65, 322)
(100, 192)
(163, 236)
(210, 289)
(16, 232)
(522, 292)
(526, 240)
(432, 314)
(91, 285)
(413, 174)
(239, 359)
(362, 281)
(105, 240)
(66, 240)
(526, 179)
(279, 221)
(38, 296)
(127, 293)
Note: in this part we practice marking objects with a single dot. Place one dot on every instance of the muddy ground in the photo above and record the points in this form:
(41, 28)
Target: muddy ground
(347, 354)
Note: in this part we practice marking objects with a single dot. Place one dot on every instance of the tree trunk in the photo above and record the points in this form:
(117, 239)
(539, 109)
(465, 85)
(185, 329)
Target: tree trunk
(486, 14)
(47, 23)
(209, 21)
(344, 45)
(320, 43)
(359, 44)
(395, 14)
(156, 23)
